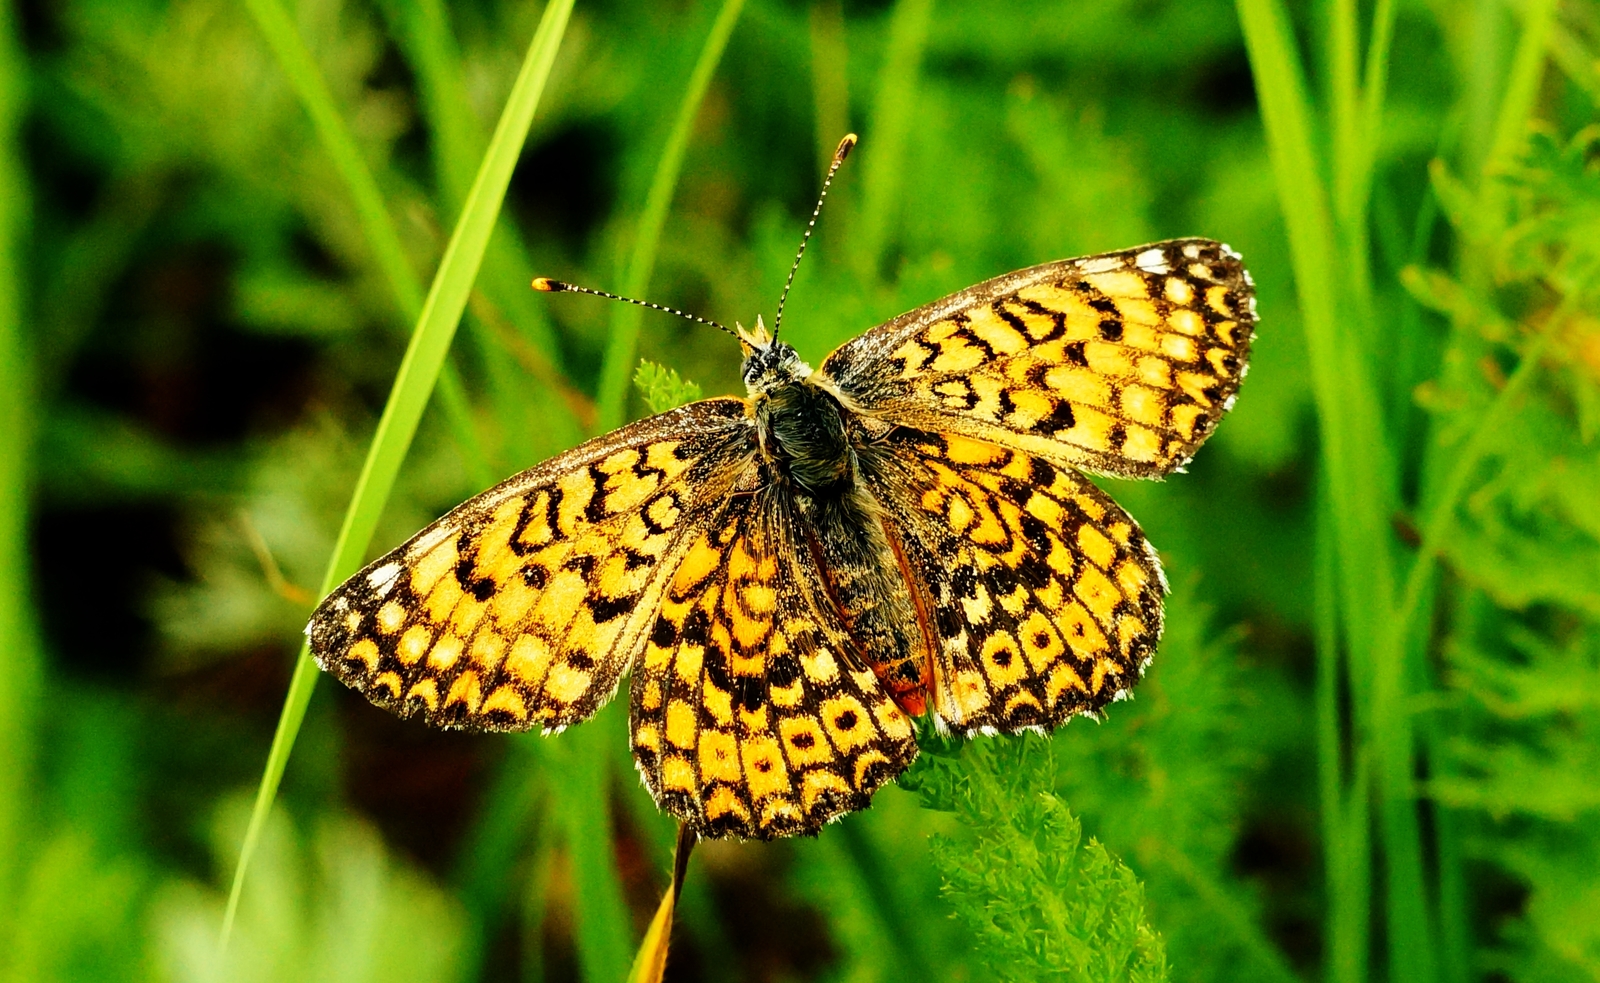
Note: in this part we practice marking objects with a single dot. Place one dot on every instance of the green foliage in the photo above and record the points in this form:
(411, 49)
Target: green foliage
(661, 388)
(327, 905)
(1040, 902)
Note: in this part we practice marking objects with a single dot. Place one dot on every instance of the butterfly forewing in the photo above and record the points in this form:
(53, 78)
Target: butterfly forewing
(1120, 364)
(524, 606)
(750, 715)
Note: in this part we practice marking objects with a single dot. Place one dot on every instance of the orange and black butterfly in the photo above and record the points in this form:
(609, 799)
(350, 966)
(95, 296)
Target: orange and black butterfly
(792, 576)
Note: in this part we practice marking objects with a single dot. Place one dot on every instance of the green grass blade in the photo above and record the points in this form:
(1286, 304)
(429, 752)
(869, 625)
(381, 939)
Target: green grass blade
(1522, 85)
(889, 132)
(1374, 91)
(1361, 476)
(382, 236)
(536, 420)
(441, 313)
(830, 77)
(17, 639)
(603, 928)
(1346, 878)
(616, 370)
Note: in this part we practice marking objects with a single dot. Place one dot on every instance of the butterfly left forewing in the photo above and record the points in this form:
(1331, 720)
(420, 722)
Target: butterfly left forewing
(524, 606)
(1119, 364)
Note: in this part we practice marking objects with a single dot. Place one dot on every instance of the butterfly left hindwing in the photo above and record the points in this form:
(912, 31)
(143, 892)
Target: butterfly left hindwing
(751, 714)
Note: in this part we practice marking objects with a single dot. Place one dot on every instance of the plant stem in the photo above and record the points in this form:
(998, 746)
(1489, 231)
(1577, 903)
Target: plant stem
(18, 638)
(893, 113)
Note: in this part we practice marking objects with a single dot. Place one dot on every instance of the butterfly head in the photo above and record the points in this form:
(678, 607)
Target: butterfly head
(768, 364)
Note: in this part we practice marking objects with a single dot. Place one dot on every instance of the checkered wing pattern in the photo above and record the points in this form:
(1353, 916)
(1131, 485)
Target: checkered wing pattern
(1118, 364)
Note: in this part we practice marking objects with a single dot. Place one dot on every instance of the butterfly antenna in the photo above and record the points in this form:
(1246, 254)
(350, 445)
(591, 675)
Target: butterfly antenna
(548, 285)
(845, 146)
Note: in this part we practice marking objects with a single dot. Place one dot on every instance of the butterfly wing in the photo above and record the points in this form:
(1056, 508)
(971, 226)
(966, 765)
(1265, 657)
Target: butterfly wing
(751, 717)
(524, 606)
(1120, 364)
(1042, 597)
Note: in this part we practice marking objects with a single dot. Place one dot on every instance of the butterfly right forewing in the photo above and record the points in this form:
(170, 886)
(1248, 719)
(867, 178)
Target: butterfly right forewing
(1119, 364)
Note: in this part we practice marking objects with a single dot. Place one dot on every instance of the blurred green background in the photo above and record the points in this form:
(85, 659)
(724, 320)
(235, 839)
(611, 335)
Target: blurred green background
(1369, 747)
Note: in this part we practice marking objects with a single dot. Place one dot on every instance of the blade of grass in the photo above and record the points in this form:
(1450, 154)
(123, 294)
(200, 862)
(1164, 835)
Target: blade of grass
(515, 807)
(893, 115)
(1361, 476)
(616, 369)
(1343, 854)
(604, 924)
(1344, 101)
(534, 420)
(650, 965)
(1374, 91)
(1522, 84)
(382, 236)
(1230, 913)
(441, 312)
(17, 638)
(535, 898)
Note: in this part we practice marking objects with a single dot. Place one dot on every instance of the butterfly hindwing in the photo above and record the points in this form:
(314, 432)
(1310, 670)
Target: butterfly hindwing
(524, 606)
(750, 715)
(1118, 364)
(1043, 595)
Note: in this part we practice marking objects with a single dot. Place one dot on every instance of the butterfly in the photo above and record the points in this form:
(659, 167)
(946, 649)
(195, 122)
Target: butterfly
(790, 578)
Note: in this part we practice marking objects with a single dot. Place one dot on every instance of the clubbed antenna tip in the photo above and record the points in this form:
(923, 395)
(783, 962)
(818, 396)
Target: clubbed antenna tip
(547, 285)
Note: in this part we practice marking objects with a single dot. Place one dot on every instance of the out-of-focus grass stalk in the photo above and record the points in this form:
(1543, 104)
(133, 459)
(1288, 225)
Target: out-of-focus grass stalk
(1229, 912)
(1344, 100)
(441, 312)
(888, 132)
(1522, 84)
(512, 815)
(382, 236)
(18, 641)
(650, 964)
(514, 335)
(535, 898)
(1345, 868)
(1359, 466)
(901, 939)
(1374, 91)
(603, 926)
(616, 369)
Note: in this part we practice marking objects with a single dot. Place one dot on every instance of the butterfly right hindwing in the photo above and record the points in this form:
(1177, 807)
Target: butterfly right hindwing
(1044, 596)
